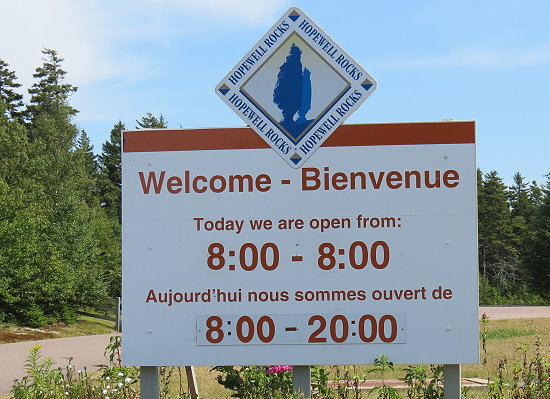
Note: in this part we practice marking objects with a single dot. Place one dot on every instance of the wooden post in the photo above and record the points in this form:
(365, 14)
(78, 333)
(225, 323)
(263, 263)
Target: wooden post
(149, 382)
(191, 382)
(118, 321)
(451, 381)
(301, 380)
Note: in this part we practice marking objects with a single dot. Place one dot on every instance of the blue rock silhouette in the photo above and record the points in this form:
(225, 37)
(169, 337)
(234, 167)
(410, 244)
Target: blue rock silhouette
(292, 92)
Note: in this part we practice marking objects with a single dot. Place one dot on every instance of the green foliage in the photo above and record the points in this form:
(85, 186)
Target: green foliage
(518, 294)
(254, 382)
(498, 256)
(149, 121)
(50, 95)
(44, 381)
(422, 386)
(320, 378)
(30, 267)
(537, 256)
(528, 378)
(11, 102)
(514, 237)
(53, 232)
(381, 365)
(110, 182)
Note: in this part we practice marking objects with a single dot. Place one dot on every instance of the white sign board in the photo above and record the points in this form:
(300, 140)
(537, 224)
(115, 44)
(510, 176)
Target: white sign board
(232, 257)
(295, 87)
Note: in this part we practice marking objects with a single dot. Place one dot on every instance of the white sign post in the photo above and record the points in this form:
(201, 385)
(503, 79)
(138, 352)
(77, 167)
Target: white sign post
(232, 257)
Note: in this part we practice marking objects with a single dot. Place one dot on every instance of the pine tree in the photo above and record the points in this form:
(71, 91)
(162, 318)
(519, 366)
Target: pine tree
(151, 122)
(11, 101)
(111, 173)
(538, 249)
(50, 95)
(110, 185)
(84, 152)
(519, 198)
(65, 263)
(535, 194)
(498, 257)
(522, 210)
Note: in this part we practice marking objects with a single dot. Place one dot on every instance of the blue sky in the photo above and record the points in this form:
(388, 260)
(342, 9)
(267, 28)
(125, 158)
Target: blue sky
(487, 61)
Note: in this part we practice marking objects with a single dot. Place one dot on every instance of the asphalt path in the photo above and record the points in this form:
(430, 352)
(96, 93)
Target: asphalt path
(88, 351)
(515, 312)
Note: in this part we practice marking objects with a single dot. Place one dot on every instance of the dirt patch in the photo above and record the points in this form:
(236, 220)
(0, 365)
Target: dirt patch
(17, 334)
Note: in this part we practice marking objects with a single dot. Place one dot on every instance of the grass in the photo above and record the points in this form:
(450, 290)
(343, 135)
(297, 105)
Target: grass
(505, 333)
(84, 326)
(503, 340)
(498, 345)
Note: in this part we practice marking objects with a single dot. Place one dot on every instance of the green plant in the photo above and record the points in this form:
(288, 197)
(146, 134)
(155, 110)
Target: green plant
(524, 378)
(434, 388)
(415, 379)
(381, 365)
(252, 382)
(422, 386)
(43, 381)
(320, 383)
(497, 386)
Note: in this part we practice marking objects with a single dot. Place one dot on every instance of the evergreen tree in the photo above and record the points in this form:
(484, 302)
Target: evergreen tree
(538, 249)
(85, 155)
(60, 260)
(14, 152)
(110, 185)
(519, 198)
(11, 101)
(149, 121)
(50, 95)
(521, 210)
(111, 173)
(498, 257)
(535, 194)
(71, 213)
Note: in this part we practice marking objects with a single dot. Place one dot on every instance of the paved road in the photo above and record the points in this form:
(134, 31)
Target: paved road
(88, 351)
(515, 312)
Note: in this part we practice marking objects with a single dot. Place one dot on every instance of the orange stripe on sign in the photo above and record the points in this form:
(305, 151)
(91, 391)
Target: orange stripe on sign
(345, 135)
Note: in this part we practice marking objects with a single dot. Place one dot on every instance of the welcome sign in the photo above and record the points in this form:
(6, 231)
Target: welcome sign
(369, 249)
(295, 87)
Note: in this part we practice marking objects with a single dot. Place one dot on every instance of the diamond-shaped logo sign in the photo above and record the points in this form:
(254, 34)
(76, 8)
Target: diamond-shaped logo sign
(295, 87)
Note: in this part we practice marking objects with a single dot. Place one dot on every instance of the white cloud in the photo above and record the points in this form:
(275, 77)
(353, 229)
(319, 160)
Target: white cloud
(479, 58)
(89, 34)
(67, 26)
